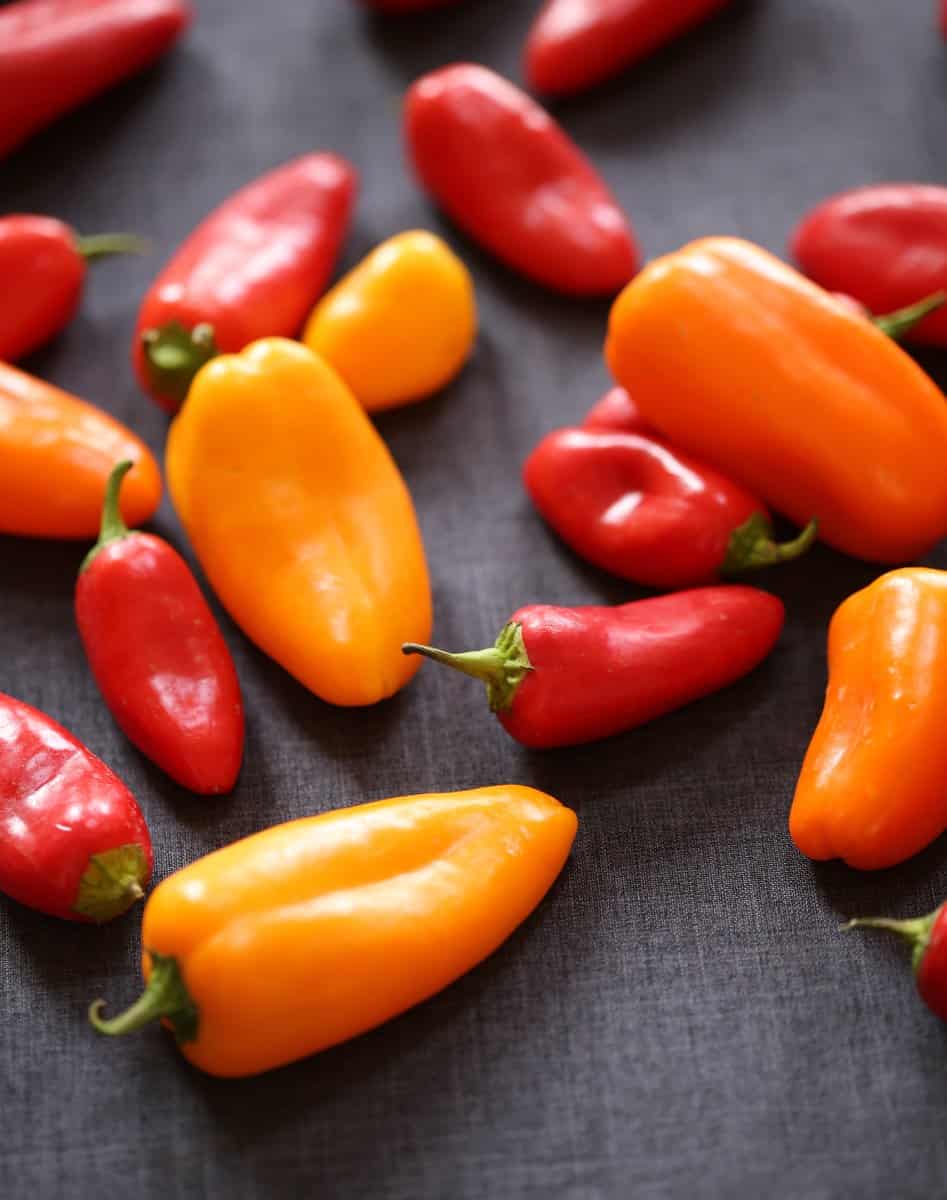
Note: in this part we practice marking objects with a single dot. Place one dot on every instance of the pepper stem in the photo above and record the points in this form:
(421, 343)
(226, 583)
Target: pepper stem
(113, 526)
(915, 930)
(898, 324)
(165, 998)
(752, 547)
(502, 667)
(175, 354)
(112, 882)
(102, 245)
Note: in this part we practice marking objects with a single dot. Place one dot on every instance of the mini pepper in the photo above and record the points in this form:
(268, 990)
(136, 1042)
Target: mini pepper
(927, 937)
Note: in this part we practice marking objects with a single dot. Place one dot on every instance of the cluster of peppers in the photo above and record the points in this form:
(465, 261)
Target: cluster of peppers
(667, 483)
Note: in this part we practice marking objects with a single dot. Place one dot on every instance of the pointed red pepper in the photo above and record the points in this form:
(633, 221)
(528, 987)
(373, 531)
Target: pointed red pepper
(56, 54)
(42, 270)
(73, 842)
(634, 506)
(254, 268)
(503, 169)
(158, 655)
(616, 410)
(927, 937)
(562, 676)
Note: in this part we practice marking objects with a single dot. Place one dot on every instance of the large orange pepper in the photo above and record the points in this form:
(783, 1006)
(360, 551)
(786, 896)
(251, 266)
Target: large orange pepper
(743, 362)
(56, 454)
(301, 520)
(305, 935)
(873, 787)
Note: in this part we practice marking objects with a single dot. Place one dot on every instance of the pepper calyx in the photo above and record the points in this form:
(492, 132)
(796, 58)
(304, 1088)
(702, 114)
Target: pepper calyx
(112, 882)
(103, 245)
(165, 998)
(915, 930)
(501, 667)
(752, 547)
(113, 527)
(174, 355)
(898, 324)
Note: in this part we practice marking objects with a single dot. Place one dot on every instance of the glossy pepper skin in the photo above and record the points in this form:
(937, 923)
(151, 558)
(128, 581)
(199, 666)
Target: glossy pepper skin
(575, 44)
(313, 932)
(738, 359)
(616, 410)
(885, 245)
(252, 269)
(399, 326)
(56, 454)
(42, 269)
(562, 676)
(927, 937)
(635, 506)
(316, 554)
(73, 842)
(158, 655)
(56, 54)
(872, 788)
(502, 168)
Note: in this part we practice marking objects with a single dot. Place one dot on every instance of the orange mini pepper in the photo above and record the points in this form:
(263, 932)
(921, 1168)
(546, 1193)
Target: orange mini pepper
(873, 787)
(56, 454)
(401, 324)
(741, 361)
(312, 932)
(301, 520)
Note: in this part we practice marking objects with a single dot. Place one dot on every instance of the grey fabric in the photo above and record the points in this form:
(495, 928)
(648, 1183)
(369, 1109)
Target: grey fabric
(681, 1018)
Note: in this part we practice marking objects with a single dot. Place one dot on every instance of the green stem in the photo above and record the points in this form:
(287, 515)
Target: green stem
(502, 667)
(752, 547)
(165, 998)
(112, 882)
(112, 527)
(898, 324)
(174, 355)
(102, 245)
(916, 931)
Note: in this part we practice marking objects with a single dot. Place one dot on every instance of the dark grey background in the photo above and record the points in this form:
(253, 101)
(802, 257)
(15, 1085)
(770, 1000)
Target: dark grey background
(681, 1018)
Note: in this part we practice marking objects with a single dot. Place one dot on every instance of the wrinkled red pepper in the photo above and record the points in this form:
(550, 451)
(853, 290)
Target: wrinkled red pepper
(634, 506)
(56, 54)
(927, 937)
(562, 676)
(577, 43)
(510, 177)
(616, 410)
(158, 655)
(252, 269)
(886, 246)
(73, 842)
(42, 270)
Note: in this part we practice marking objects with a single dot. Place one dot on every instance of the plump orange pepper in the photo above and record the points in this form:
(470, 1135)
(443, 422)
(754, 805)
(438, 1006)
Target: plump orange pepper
(301, 520)
(56, 454)
(312, 932)
(873, 787)
(743, 362)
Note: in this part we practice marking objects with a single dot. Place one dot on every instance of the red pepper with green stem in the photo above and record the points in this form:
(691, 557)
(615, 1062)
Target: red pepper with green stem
(927, 937)
(42, 270)
(254, 268)
(73, 842)
(158, 655)
(562, 676)
(56, 54)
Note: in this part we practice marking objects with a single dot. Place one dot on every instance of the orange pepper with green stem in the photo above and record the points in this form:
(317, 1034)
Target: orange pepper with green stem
(312, 932)
(301, 520)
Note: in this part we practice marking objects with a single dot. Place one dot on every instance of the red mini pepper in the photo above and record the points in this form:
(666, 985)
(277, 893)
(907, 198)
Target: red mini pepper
(158, 655)
(56, 54)
(928, 939)
(616, 410)
(634, 506)
(252, 269)
(42, 270)
(508, 175)
(73, 842)
(561, 676)
(577, 43)
(886, 246)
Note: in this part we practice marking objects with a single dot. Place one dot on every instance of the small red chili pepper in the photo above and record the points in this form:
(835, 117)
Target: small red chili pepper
(56, 54)
(928, 939)
(634, 506)
(885, 246)
(42, 270)
(616, 410)
(577, 43)
(73, 842)
(508, 175)
(158, 655)
(562, 676)
(254, 268)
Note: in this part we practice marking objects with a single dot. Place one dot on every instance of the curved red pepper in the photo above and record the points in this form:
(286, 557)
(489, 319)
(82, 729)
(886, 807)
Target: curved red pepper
(632, 505)
(886, 246)
(928, 939)
(73, 842)
(508, 175)
(158, 655)
(561, 676)
(42, 270)
(252, 269)
(56, 54)
(616, 410)
(577, 43)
